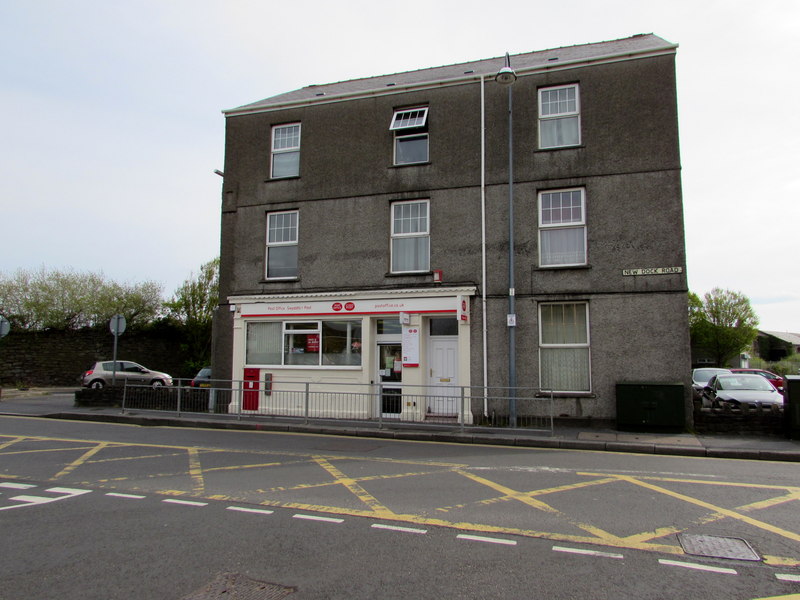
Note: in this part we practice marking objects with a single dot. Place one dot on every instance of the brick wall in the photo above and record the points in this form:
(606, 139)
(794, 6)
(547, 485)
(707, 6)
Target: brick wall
(45, 358)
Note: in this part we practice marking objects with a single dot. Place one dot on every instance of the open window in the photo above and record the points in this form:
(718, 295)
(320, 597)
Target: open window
(410, 127)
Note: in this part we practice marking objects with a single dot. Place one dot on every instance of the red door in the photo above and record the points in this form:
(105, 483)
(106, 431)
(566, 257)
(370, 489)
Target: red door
(251, 385)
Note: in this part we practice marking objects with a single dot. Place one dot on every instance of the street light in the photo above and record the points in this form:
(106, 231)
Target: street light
(506, 77)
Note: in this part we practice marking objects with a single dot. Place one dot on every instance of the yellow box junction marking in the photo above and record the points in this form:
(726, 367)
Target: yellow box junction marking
(374, 508)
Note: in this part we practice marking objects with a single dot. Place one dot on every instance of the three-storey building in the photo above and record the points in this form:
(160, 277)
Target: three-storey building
(366, 225)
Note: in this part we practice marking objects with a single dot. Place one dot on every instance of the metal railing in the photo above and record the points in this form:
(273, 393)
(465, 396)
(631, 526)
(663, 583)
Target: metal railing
(381, 405)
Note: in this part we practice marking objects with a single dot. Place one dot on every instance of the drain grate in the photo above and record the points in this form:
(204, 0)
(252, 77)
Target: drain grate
(235, 586)
(717, 547)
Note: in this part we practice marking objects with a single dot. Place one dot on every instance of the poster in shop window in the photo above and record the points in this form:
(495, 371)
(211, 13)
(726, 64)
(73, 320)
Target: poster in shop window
(410, 345)
(312, 342)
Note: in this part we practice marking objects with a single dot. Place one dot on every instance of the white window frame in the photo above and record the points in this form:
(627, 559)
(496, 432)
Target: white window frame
(410, 123)
(543, 347)
(282, 243)
(568, 114)
(409, 118)
(285, 332)
(284, 150)
(416, 234)
(563, 225)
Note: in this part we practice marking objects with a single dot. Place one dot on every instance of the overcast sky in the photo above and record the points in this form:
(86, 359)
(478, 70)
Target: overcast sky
(112, 125)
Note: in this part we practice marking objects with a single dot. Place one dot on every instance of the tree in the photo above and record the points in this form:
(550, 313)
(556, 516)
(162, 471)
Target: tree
(722, 323)
(192, 309)
(69, 300)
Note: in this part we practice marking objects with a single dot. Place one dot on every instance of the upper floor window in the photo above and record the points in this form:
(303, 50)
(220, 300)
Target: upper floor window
(410, 237)
(410, 127)
(286, 151)
(282, 245)
(559, 117)
(562, 228)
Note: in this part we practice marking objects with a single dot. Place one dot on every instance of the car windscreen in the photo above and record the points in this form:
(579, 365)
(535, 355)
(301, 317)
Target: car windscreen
(744, 382)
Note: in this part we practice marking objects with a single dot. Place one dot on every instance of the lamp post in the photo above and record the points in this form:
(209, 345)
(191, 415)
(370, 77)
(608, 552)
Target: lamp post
(506, 77)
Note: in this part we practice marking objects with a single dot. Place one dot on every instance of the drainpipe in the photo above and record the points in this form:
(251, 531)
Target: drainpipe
(483, 249)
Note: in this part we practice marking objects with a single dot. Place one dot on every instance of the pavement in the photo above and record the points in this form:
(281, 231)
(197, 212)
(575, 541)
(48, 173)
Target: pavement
(58, 403)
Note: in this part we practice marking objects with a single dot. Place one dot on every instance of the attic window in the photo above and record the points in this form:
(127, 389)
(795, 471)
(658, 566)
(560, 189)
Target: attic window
(409, 119)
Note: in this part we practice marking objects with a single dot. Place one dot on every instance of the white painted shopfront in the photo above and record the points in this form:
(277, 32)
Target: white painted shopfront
(413, 345)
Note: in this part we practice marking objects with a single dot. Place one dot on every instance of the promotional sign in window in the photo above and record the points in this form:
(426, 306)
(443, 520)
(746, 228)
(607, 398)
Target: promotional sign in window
(312, 342)
(410, 346)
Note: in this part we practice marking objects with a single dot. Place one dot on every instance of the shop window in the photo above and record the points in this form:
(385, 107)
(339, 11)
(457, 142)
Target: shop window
(305, 343)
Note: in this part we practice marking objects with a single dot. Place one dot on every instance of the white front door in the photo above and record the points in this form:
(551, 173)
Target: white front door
(443, 359)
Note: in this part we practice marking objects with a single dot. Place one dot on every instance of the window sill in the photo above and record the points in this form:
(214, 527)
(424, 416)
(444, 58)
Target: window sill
(279, 280)
(288, 178)
(563, 268)
(414, 164)
(411, 274)
(556, 148)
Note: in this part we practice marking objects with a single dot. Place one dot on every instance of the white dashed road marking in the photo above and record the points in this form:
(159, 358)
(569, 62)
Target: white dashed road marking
(16, 486)
(316, 518)
(185, 502)
(697, 567)
(29, 500)
(480, 538)
(396, 528)
(587, 552)
(786, 577)
(131, 496)
(260, 511)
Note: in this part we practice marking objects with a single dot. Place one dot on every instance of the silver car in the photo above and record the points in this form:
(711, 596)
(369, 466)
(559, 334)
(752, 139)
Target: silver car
(740, 390)
(101, 374)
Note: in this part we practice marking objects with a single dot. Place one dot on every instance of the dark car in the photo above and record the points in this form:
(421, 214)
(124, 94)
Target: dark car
(773, 378)
(202, 379)
(742, 390)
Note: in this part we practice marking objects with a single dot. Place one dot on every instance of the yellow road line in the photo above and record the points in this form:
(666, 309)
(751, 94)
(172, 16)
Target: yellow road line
(78, 462)
(717, 509)
(196, 472)
(359, 492)
(11, 442)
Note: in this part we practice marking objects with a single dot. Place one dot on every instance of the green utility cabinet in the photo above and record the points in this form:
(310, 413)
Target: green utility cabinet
(791, 405)
(643, 406)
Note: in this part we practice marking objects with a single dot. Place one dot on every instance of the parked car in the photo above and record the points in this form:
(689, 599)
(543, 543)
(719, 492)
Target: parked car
(202, 379)
(736, 390)
(773, 378)
(700, 378)
(101, 373)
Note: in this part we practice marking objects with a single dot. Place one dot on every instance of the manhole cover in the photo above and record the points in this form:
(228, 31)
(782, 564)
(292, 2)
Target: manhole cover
(717, 547)
(235, 586)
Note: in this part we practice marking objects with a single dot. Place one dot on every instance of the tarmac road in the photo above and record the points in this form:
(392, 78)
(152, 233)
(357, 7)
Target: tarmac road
(169, 509)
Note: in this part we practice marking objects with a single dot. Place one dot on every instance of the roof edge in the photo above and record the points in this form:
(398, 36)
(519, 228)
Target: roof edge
(434, 83)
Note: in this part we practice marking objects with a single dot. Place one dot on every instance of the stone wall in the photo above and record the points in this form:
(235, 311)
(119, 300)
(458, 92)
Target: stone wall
(47, 358)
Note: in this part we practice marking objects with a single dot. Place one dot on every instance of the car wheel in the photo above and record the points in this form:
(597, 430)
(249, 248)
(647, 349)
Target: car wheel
(97, 384)
(157, 383)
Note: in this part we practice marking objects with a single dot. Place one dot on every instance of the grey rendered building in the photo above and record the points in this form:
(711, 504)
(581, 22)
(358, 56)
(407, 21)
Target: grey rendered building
(365, 232)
